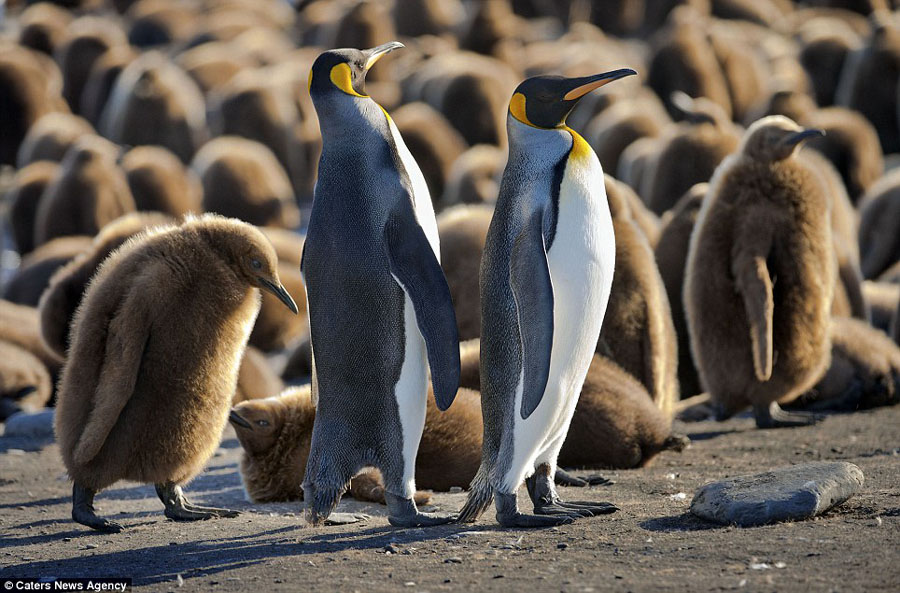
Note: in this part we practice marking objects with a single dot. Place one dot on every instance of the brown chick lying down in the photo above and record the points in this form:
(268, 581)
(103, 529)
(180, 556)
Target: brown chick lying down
(616, 423)
(275, 434)
(864, 371)
(24, 381)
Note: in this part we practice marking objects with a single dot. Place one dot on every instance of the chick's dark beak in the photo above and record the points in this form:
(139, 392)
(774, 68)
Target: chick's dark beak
(799, 137)
(376, 53)
(238, 420)
(585, 84)
(279, 291)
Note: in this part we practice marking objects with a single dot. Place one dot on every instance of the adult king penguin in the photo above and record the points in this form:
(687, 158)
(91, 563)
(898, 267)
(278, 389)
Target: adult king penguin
(378, 299)
(546, 274)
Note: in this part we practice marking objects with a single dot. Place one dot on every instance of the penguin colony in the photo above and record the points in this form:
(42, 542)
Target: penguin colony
(460, 243)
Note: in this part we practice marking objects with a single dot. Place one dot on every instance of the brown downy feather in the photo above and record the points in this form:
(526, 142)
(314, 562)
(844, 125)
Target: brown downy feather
(51, 137)
(88, 38)
(160, 182)
(474, 177)
(21, 325)
(879, 241)
(256, 378)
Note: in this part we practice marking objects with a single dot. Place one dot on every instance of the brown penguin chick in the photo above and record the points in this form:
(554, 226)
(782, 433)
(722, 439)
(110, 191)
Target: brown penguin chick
(648, 222)
(469, 360)
(879, 241)
(463, 230)
(288, 244)
(275, 434)
(683, 60)
(160, 22)
(51, 137)
(789, 102)
(150, 406)
(864, 370)
(88, 38)
(489, 23)
(276, 329)
(636, 160)
(256, 378)
(851, 144)
(366, 24)
(89, 191)
(474, 177)
(154, 102)
(21, 325)
(101, 80)
(882, 299)
(823, 55)
(42, 27)
(746, 73)
(765, 216)
(637, 332)
(160, 182)
(691, 154)
(760, 12)
(433, 143)
(25, 383)
(25, 98)
(426, 17)
(23, 198)
(615, 424)
(242, 178)
(213, 64)
(66, 287)
(34, 272)
(870, 77)
(671, 257)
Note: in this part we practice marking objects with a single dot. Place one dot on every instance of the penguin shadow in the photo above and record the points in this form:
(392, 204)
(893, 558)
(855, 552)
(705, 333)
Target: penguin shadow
(674, 523)
(27, 444)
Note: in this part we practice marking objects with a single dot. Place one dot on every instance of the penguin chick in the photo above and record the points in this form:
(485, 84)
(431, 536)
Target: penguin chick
(298, 368)
(67, 285)
(765, 219)
(150, 406)
(51, 137)
(24, 381)
(882, 298)
(160, 182)
(256, 379)
(276, 328)
(615, 424)
(154, 102)
(34, 273)
(864, 370)
(691, 154)
(638, 332)
(242, 178)
(42, 27)
(276, 432)
(89, 191)
(671, 257)
(23, 198)
(823, 54)
(474, 177)
(88, 38)
(879, 241)
(102, 79)
(462, 230)
(469, 364)
(21, 325)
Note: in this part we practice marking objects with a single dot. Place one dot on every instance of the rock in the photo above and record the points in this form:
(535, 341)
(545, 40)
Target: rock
(785, 494)
(31, 425)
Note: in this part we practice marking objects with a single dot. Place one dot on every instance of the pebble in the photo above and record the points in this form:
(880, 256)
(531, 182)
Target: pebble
(562, 546)
(455, 489)
(453, 560)
(391, 549)
(30, 425)
(790, 493)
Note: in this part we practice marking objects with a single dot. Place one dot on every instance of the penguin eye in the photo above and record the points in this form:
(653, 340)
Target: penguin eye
(262, 422)
(257, 265)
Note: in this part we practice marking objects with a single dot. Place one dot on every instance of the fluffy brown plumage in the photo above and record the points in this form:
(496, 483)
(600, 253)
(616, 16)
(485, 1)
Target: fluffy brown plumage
(36, 269)
(275, 451)
(23, 197)
(882, 298)
(89, 191)
(88, 38)
(242, 178)
(42, 27)
(147, 405)
(469, 364)
(474, 177)
(63, 295)
(765, 217)
(160, 182)
(637, 332)
(24, 381)
(256, 378)
(463, 230)
(51, 137)
(615, 424)
(879, 241)
(21, 325)
(102, 78)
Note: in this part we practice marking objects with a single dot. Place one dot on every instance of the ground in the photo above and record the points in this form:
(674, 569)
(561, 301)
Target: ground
(651, 544)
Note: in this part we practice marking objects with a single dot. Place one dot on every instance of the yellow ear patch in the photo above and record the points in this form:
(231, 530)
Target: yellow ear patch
(343, 79)
(517, 109)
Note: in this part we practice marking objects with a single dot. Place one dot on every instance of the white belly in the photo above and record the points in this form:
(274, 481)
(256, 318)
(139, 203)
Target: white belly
(581, 259)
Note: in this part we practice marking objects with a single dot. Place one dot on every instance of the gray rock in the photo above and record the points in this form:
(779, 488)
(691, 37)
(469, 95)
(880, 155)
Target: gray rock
(30, 425)
(786, 494)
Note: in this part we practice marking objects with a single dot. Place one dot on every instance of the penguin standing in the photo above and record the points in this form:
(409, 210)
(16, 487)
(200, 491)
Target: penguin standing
(377, 297)
(546, 275)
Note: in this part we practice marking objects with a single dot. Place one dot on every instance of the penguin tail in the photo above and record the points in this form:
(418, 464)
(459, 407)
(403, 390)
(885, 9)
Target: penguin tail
(480, 496)
(320, 502)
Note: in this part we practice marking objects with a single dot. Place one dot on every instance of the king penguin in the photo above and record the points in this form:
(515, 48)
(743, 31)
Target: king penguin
(546, 275)
(378, 300)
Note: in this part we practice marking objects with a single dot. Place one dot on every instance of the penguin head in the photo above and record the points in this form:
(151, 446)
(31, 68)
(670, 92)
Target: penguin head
(775, 138)
(545, 101)
(257, 423)
(247, 251)
(344, 70)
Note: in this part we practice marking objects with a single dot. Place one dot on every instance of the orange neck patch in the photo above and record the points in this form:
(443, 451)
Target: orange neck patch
(580, 148)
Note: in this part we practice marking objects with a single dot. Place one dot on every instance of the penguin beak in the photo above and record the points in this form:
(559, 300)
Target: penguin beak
(585, 84)
(282, 294)
(376, 53)
(238, 420)
(795, 139)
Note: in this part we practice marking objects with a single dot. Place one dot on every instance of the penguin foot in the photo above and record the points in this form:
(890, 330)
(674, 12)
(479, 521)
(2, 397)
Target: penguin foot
(508, 515)
(402, 512)
(564, 478)
(179, 509)
(83, 511)
(594, 508)
(772, 416)
(345, 518)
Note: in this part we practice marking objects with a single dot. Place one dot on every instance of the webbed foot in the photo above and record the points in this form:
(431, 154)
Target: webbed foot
(179, 509)
(402, 512)
(508, 515)
(564, 478)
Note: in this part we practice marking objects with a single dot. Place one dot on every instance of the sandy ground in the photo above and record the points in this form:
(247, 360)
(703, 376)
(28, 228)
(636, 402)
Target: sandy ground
(652, 543)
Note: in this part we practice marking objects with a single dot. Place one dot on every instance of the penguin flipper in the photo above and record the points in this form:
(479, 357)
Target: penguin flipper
(755, 286)
(126, 340)
(416, 269)
(529, 276)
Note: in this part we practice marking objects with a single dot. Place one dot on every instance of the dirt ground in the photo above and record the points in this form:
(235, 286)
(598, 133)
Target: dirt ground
(651, 544)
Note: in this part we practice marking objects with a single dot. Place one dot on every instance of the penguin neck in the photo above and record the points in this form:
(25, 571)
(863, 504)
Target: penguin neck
(347, 117)
(551, 143)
